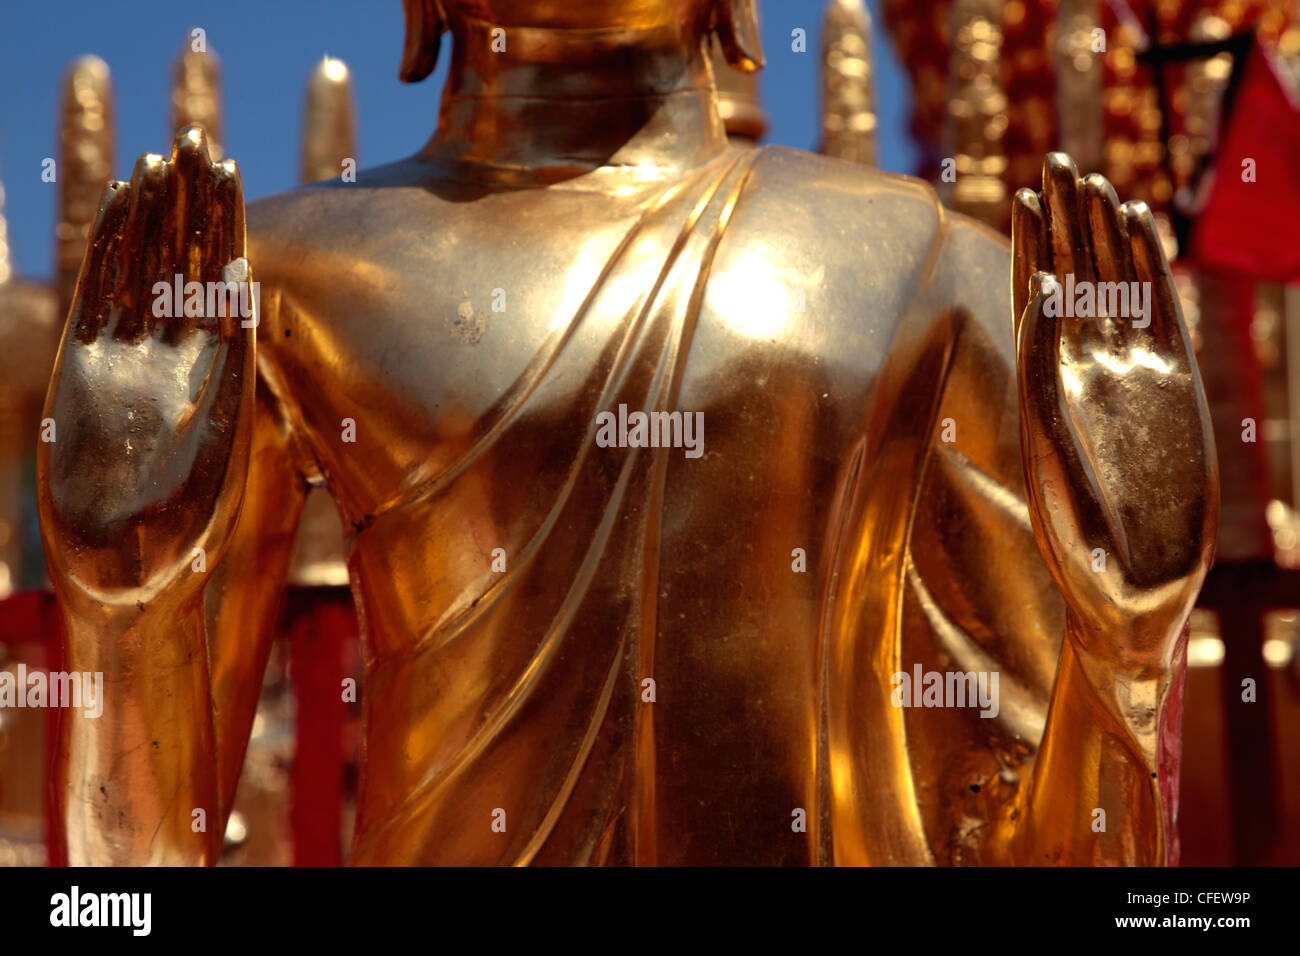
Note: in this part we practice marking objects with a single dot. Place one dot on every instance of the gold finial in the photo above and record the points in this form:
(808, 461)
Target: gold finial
(1079, 82)
(739, 105)
(848, 103)
(977, 114)
(329, 131)
(196, 94)
(85, 164)
(328, 138)
(6, 270)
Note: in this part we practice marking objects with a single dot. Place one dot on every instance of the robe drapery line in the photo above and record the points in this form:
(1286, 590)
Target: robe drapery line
(654, 337)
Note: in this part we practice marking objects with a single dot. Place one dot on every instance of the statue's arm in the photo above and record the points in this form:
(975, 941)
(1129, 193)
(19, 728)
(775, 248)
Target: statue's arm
(1122, 485)
(243, 599)
(182, 675)
(1095, 794)
(140, 492)
(1059, 539)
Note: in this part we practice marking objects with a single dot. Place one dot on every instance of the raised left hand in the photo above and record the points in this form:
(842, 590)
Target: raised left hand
(1115, 433)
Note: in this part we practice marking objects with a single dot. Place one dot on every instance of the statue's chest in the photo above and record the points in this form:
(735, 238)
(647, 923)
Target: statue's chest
(397, 374)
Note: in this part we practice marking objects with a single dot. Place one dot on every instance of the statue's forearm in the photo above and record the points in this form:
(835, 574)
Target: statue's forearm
(243, 594)
(128, 782)
(1093, 794)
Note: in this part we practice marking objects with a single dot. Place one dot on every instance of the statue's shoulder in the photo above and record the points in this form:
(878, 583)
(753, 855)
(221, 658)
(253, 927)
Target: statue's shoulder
(832, 205)
(336, 212)
(863, 242)
(813, 178)
(838, 206)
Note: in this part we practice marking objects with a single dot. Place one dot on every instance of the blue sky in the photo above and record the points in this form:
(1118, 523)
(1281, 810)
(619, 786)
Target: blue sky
(266, 49)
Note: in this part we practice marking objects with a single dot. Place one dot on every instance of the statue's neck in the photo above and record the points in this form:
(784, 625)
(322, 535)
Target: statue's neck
(559, 103)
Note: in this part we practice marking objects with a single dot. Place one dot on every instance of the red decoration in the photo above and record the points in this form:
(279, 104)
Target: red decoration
(1248, 224)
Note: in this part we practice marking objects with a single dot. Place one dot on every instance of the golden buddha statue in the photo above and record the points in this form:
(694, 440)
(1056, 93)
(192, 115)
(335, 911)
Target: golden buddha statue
(585, 653)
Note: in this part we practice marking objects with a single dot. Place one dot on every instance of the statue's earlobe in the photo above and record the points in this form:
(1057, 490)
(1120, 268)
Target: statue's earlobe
(425, 23)
(736, 24)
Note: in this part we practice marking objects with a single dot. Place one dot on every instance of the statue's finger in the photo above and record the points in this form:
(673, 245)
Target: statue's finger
(232, 382)
(141, 248)
(1067, 237)
(239, 321)
(1049, 342)
(225, 404)
(192, 174)
(1043, 414)
(225, 223)
(190, 226)
(1038, 358)
(100, 265)
(1163, 320)
(1027, 253)
(1112, 261)
(1058, 481)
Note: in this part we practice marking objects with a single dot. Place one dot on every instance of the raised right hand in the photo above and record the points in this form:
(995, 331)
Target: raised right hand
(152, 415)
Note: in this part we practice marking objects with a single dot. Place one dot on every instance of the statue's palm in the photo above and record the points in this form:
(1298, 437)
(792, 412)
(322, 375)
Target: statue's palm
(1118, 453)
(151, 414)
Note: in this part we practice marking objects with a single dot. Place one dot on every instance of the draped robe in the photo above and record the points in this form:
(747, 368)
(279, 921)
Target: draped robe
(653, 678)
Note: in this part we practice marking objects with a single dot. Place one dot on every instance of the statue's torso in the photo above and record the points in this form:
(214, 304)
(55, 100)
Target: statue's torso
(516, 679)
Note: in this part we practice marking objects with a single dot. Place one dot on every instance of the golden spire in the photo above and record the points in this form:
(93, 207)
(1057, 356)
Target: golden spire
(329, 132)
(196, 94)
(328, 138)
(848, 103)
(977, 119)
(6, 270)
(85, 164)
(1079, 82)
